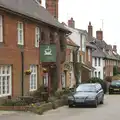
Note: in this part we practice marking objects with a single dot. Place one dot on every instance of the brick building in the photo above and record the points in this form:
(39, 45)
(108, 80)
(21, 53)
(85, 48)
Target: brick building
(21, 30)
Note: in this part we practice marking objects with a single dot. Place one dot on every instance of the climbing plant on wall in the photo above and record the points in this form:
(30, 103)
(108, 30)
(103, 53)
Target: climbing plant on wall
(77, 67)
(62, 42)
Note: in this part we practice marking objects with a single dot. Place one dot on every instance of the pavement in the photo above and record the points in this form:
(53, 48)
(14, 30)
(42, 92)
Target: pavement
(108, 111)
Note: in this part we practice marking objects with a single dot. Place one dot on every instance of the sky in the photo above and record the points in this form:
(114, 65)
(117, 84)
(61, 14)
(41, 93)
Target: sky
(95, 11)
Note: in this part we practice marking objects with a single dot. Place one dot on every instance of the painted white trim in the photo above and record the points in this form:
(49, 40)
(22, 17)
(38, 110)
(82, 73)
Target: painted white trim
(33, 73)
(5, 74)
(87, 68)
(1, 28)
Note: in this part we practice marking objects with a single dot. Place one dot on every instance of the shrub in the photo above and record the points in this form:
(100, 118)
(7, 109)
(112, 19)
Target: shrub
(108, 78)
(66, 91)
(39, 109)
(57, 103)
(117, 77)
(41, 93)
(98, 80)
(65, 99)
(59, 93)
(14, 103)
(115, 70)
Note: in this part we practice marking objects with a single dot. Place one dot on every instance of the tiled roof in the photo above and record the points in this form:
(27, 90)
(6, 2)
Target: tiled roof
(102, 49)
(31, 9)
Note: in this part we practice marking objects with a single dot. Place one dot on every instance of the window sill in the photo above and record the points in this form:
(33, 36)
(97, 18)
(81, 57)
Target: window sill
(5, 95)
(32, 90)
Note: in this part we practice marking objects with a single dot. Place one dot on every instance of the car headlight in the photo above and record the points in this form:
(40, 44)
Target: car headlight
(70, 98)
(91, 98)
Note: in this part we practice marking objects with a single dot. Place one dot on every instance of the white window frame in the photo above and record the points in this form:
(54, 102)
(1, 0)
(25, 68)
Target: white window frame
(20, 33)
(95, 74)
(63, 79)
(7, 73)
(95, 61)
(71, 56)
(37, 36)
(89, 55)
(33, 69)
(99, 74)
(78, 56)
(82, 59)
(83, 42)
(45, 79)
(70, 79)
(1, 28)
(99, 61)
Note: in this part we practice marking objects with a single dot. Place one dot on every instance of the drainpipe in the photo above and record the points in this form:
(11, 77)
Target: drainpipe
(22, 73)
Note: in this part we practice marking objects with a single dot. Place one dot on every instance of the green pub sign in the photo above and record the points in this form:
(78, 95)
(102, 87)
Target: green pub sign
(48, 53)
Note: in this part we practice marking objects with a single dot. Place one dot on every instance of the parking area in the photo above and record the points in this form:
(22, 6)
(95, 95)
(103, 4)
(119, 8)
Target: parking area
(108, 111)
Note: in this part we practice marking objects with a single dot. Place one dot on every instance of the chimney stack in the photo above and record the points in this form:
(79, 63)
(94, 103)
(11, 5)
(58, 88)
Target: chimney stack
(115, 48)
(52, 7)
(71, 23)
(90, 30)
(99, 35)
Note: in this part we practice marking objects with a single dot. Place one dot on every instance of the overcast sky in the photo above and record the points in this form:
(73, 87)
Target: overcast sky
(84, 11)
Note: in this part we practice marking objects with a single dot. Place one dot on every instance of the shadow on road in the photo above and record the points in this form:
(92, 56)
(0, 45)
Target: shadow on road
(86, 106)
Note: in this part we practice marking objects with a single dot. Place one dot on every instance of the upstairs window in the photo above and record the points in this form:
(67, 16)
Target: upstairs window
(95, 61)
(1, 28)
(37, 36)
(83, 43)
(20, 33)
(99, 62)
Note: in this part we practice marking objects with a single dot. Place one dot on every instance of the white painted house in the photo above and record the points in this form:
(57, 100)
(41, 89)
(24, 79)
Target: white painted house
(98, 63)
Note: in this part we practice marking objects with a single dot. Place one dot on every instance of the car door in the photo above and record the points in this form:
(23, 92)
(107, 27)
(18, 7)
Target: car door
(99, 92)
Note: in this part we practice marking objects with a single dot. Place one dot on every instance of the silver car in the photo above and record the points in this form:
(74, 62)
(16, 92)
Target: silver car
(87, 94)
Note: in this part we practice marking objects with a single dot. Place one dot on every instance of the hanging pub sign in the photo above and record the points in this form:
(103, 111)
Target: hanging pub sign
(48, 53)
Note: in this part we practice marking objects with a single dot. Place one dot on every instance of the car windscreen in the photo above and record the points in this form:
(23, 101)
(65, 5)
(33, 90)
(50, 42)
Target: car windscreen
(86, 88)
(116, 82)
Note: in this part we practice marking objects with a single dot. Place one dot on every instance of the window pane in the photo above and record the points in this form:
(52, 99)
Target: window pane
(33, 77)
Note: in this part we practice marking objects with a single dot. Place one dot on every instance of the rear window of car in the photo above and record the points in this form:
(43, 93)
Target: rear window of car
(86, 88)
(115, 82)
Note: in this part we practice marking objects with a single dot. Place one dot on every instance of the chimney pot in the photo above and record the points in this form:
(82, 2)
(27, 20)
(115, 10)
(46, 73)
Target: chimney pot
(90, 30)
(115, 48)
(99, 35)
(71, 23)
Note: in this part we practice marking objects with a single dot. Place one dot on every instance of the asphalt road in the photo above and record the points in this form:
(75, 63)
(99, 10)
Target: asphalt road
(109, 111)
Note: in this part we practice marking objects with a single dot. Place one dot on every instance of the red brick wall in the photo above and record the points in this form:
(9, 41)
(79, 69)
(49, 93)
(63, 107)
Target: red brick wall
(109, 67)
(10, 52)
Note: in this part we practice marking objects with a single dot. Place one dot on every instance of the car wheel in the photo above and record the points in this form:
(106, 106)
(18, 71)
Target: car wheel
(96, 104)
(70, 105)
(110, 93)
(102, 102)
